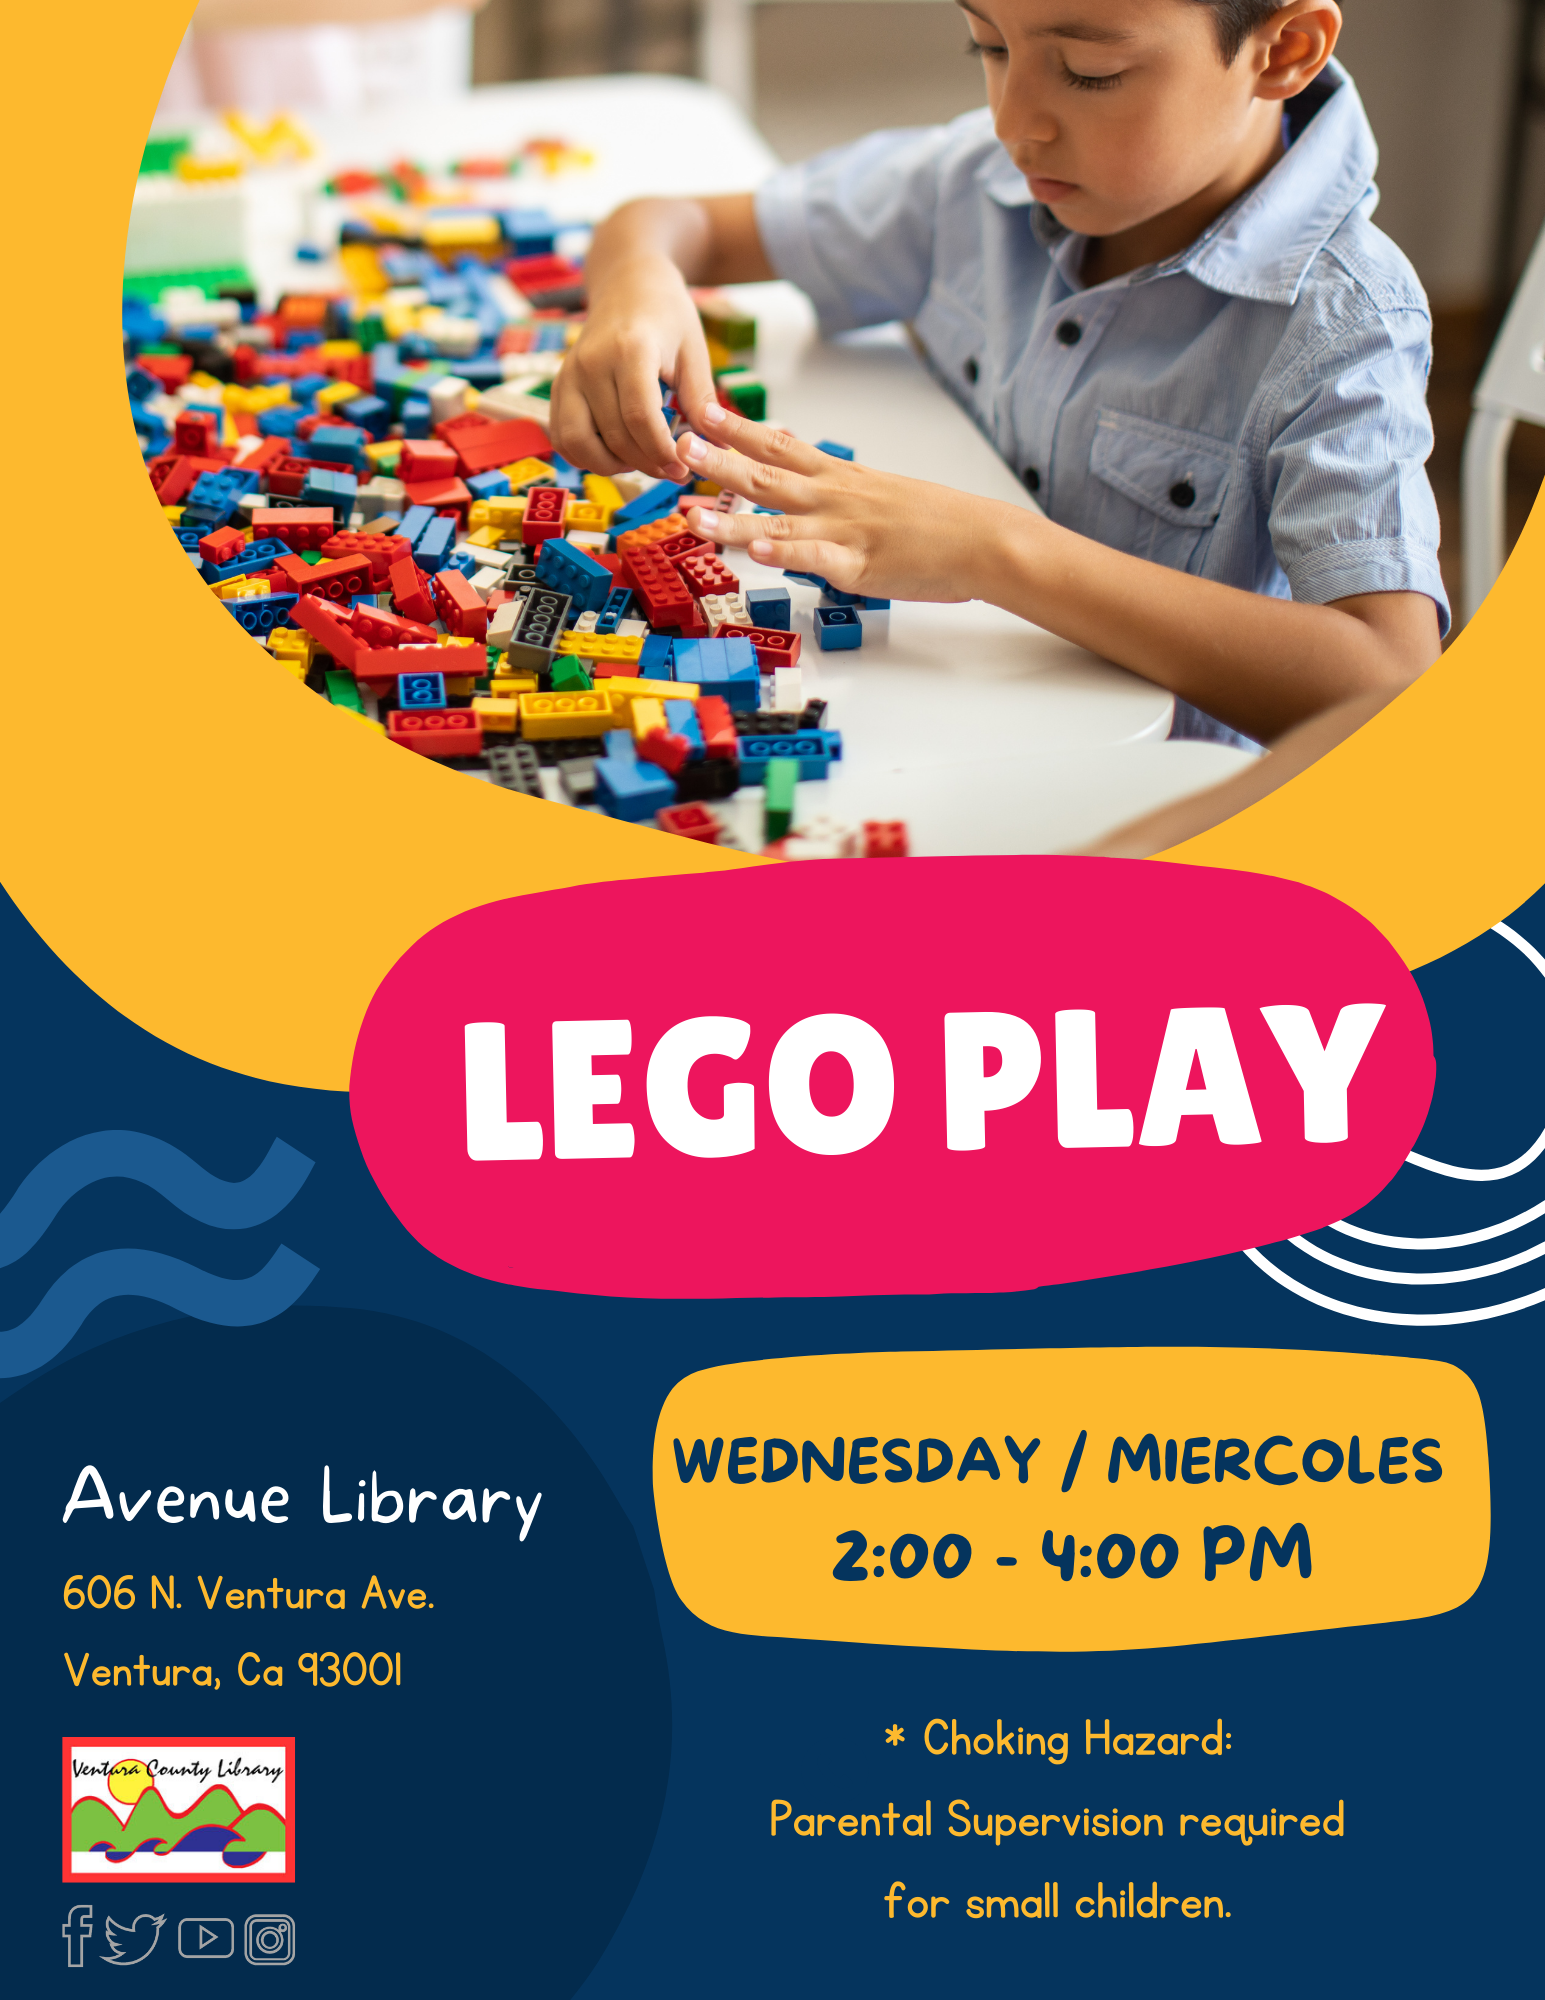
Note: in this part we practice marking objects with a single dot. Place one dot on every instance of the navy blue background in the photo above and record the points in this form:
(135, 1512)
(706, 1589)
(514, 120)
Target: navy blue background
(1423, 1728)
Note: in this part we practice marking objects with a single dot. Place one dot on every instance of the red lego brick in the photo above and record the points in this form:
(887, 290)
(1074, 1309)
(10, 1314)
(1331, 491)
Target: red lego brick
(546, 508)
(377, 668)
(287, 476)
(170, 370)
(376, 627)
(693, 622)
(488, 446)
(717, 722)
(268, 453)
(692, 822)
(330, 631)
(353, 368)
(223, 546)
(543, 272)
(653, 532)
(426, 458)
(706, 576)
(336, 580)
(462, 611)
(173, 474)
(437, 732)
(773, 649)
(410, 591)
(674, 547)
(659, 746)
(299, 528)
(380, 551)
(245, 364)
(446, 496)
(197, 431)
(885, 839)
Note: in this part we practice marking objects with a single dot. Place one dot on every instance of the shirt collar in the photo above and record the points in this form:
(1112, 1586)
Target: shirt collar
(1261, 247)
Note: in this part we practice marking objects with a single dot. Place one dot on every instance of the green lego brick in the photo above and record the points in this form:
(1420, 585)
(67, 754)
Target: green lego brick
(745, 391)
(161, 155)
(778, 807)
(342, 692)
(149, 285)
(569, 677)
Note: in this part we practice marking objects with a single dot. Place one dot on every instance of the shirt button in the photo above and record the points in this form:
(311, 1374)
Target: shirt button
(971, 371)
(1183, 494)
(1032, 479)
(1070, 333)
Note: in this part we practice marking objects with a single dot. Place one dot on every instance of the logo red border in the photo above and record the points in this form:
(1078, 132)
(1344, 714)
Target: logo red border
(234, 1878)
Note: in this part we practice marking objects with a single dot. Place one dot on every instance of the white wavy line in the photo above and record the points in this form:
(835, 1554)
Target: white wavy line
(1524, 1159)
(1441, 1242)
(1389, 1318)
(1416, 1277)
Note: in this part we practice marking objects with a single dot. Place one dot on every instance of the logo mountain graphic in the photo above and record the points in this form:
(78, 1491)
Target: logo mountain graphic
(215, 1822)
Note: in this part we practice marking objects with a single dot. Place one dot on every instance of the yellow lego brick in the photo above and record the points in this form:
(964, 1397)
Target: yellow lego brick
(294, 663)
(187, 168)
(549, 715)
(601, 492)
(451, 639)
(505, 510)
(336, 393)
(455, 232)
(511, 685)
(340, 350)
(528, 472)
(385, 454)
(597, 646)
(200, 380)
(624, 691)
(585, 514)
(173, 514)
(241, 586)
(647, 715)
(719, 356)
(376, 728)
(460, 683)
(486, 538)
(289, 643)
(496, 713)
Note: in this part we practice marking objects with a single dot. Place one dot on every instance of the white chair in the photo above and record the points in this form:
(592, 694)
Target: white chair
(1511, 391)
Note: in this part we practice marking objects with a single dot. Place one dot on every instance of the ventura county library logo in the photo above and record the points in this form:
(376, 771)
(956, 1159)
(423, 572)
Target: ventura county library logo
(183, 1809)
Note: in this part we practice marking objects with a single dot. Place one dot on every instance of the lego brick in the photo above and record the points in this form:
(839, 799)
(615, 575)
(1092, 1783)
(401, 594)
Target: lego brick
(622, 690)
(577, 776)
(662, 747)
(654, 501)
(717, 722)
(565, 715)
(788, 690)
(497, 444)
(501, 624)
(778, 803)
(432, 547)
(813, 751)
(449, 732)
(657, 656)
(261, 615)
(563, 567)
(631, 791)
(342, 691)
(426, 459)
(380, 551)
(691, 822)
(423, 689)
(516, 767)
(774, 648)
(498, 714)
(317, 618)
(838, 628)
(569, 675)
(647, 716)
(614, 610)
(885, 840)
(835, 450)
(729, 609)
(543, 516)
(707, 576)
(410, 591)
(610, 650)
(375, 627)
(708, 778)
(461, 610)
(438, 493)
(338, 581)
(538, 629)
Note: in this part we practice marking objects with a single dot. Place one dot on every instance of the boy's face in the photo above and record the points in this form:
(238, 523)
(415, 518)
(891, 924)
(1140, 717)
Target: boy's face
(1117, 111)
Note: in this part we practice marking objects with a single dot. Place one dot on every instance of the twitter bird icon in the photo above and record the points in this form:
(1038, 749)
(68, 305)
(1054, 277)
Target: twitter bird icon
(132, 1942)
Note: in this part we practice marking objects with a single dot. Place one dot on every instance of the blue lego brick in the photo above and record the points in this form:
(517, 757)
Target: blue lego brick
(724, 667)
(421, 691)
(530, 232)
(330, 489)
(414, 523)
(280, 423)
(433, 547)
(563, 567)
(417, 417)
(304, 387)
(631, 791)
(259, 615)
(697, 659)
(489, 485)
(681, 720)
(658, 657)
(189, 537)
(807, 576)
(468, 565)
(569, 477)
(371, 413)
(619, 744)
(337, 444)
(655, 501)
(835, 450)
(838, 628)
(816, 749)
(255, 557)
(613, 611)
(875, 603)
(149, 429)
(769, 609)
(832, 595)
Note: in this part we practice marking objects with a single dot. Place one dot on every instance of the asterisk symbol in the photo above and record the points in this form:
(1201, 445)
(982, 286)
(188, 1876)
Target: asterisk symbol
(895, 1734)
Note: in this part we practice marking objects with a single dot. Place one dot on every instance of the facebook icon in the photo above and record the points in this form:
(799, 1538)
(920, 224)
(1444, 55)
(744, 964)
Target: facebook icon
(75, 1930)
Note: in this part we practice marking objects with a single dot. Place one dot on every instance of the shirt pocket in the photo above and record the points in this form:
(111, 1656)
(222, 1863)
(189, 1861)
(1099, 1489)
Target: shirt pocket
(1173, 482)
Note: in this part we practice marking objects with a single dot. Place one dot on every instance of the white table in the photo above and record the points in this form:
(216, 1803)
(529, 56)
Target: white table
(983, 733)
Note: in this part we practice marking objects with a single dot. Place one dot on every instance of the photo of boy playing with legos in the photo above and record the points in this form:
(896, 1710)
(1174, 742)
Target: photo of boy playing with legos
(1149, 272)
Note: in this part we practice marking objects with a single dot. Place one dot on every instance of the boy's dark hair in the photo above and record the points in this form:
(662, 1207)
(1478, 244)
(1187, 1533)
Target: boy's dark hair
(1236, 20)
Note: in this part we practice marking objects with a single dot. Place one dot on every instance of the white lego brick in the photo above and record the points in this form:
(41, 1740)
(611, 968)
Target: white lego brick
(631, 484)
(502, 625)
(726, 610)
(632, 628)
(530, 367)
(585, 622)
(447, 398)
(590, 540)
(788, 689)
(382, 493)
(510, 400)
(486, 581)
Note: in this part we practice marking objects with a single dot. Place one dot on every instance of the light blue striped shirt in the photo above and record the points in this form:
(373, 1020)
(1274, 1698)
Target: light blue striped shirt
(1252, 410)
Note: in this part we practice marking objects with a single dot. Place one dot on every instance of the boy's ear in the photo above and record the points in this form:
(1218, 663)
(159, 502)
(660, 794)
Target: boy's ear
(1293, 47)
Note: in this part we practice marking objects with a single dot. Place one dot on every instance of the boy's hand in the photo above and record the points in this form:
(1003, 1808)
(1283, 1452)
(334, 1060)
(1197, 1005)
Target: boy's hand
(865, 531)
(606, 414)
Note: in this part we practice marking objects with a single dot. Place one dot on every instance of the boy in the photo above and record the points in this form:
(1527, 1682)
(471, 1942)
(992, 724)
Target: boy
(1158, 292)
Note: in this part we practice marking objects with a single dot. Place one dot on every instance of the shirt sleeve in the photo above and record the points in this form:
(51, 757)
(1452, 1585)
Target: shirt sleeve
(854, 228)
(1352, 511)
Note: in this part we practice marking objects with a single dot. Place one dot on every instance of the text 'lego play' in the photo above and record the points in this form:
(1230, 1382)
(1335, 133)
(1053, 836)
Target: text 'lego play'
(950, 1075)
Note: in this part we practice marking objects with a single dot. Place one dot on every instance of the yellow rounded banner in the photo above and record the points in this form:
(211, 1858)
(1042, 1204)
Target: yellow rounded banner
(234, 865)
(1071, 1500)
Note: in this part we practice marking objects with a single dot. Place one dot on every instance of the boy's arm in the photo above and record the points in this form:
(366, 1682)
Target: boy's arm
(642, 326)
(1260, 664)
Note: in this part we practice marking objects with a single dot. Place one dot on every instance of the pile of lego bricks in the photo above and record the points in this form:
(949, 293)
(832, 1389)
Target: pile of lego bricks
(421, 557)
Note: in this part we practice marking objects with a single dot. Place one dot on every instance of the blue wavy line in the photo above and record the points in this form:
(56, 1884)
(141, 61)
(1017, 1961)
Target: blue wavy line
(147, 1274)
(136, 1156)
